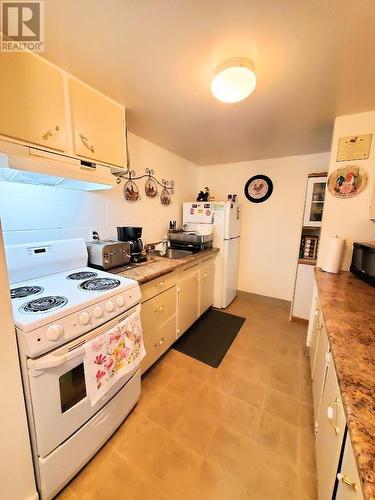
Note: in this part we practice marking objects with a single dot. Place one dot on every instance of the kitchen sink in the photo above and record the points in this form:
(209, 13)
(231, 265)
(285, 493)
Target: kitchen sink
(174, 253)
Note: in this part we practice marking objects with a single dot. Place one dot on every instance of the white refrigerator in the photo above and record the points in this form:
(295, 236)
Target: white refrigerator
(224, 217)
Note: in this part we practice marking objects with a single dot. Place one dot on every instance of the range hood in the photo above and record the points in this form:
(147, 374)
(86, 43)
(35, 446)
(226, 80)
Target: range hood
(28, 165)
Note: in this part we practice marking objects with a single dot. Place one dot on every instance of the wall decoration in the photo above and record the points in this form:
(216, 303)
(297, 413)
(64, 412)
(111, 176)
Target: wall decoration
(151, 187)
(348, 181)
(131, 191)
(204, 195)
(258, 188)
(165, 197)
(354, 147)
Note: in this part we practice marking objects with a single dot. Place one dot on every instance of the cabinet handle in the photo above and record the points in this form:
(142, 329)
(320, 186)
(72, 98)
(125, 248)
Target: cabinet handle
(347, 481)
(50, 133)
(330, 408)
(196, 279)
(86, 144)
(159, 309)
(161, 341)
(204, 275)
(161, 283)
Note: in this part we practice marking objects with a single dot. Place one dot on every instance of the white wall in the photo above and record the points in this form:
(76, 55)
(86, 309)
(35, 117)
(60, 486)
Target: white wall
(16, 471)
(270, 231)
(349, 218)
(37, 213)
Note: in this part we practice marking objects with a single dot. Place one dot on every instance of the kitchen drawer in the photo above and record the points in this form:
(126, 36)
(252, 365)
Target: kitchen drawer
(157, 310)
(158, 285)
(158, 342)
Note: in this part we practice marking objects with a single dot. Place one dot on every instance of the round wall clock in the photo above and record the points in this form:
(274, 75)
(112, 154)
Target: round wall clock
(258, 188)
(346, 182)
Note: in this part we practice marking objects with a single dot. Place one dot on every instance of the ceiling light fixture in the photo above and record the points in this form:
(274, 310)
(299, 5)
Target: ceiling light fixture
(234, 80)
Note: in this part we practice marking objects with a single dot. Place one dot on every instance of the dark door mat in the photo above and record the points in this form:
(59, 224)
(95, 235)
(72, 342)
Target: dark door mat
(209, 338)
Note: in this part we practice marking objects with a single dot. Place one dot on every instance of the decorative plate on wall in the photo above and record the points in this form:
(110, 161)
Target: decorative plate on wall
(165, 197)
(258, 188)
(151, 188)
(346, 182)
(131, 192)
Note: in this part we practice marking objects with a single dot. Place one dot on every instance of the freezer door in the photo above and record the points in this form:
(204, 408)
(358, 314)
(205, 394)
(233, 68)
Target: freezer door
(230, 271)
(198, 212)
(232, 220)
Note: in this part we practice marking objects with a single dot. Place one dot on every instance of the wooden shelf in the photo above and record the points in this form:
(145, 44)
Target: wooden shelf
(309, 262)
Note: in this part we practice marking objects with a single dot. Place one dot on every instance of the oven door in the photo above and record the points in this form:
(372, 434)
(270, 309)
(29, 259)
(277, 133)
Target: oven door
(57, 390)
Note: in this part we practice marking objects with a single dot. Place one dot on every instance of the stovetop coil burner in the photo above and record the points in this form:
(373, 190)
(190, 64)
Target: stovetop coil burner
(99, 284)
(81, 275)
(44, 304)
(24, 291)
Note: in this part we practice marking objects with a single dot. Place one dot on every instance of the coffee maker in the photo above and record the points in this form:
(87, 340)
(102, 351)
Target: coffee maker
(133, 236)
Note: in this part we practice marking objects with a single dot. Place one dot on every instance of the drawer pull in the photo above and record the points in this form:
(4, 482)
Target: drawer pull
(330, 415)
(161, 283)
(204, 275)
(161, 341)
(50, 133)
(159, 309)
(196, 279)
(344, 479)
(85, 142)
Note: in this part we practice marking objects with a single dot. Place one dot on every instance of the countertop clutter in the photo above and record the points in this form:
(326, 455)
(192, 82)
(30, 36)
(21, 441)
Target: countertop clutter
(159, 266)
(348, 306)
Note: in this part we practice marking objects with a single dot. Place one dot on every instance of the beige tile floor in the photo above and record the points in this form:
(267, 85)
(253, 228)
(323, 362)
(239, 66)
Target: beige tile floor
(241, 431)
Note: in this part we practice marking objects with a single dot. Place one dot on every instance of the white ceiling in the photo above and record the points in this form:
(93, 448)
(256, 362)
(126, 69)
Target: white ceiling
(315, 59)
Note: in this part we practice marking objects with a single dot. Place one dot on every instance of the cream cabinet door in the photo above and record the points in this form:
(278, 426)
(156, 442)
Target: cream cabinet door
(32, 106)
(98, 125)
(188, 288)
(331, 429)
(207, 276)
(320, 369)
(349, 484)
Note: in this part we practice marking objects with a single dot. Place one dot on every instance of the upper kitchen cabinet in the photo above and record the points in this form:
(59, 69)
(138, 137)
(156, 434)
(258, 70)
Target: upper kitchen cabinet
(316, 188)
(32, 101)
(98, 125)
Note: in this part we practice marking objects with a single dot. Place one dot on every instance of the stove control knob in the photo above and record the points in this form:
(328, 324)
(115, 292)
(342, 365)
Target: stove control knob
(54, 332)
(110, 306)
(98, 312)
(84, 318)
(120, 301)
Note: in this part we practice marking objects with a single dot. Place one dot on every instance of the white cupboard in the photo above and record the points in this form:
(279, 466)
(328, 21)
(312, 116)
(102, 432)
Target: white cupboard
(32, 101)
(303, 292)
(43, 105)
(98, 125)
(315, 194)
(349, 484)
(188, 298)
(320, 369)
(207, 276)
(330, 434)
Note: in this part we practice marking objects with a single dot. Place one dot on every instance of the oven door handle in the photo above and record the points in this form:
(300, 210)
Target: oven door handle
(38, 365)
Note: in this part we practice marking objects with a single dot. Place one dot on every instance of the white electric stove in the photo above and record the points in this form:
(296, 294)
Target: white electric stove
(58, 305)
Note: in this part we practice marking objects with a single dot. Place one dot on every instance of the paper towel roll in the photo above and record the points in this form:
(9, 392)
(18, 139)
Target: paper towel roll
(333, 256)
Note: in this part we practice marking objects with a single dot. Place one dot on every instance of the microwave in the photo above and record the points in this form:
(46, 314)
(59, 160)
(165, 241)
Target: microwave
(363, 262)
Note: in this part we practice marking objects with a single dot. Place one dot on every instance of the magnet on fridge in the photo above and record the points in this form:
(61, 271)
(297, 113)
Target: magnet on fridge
(192, 211)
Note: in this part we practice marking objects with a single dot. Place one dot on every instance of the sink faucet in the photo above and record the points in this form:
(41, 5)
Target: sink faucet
(151, 246)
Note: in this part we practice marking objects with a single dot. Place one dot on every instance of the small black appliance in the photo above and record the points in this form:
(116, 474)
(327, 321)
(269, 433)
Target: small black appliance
(363, 262)
(133, 235)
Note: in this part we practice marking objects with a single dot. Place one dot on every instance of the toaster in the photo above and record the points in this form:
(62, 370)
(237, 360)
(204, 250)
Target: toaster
(106, 254)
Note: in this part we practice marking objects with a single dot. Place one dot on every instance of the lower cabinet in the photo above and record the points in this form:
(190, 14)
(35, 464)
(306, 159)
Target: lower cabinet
(188, 298)
(330, 429)
(335, 481)
(171, 304)
(158, 342)
(349, 486)
(206, 277)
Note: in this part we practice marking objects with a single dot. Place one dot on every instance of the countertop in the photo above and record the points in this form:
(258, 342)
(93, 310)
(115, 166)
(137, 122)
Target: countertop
(159, 266)
(348, 306)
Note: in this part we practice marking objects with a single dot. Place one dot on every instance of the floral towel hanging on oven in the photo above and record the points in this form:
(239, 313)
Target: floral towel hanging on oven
(112, 355)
